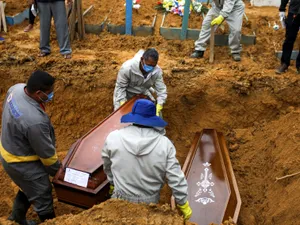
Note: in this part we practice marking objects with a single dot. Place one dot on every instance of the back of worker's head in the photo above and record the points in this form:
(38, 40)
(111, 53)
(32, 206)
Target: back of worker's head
(40, 81)
(151, 53)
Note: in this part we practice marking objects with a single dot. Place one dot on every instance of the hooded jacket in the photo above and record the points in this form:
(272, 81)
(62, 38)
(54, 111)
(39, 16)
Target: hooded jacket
(293, 8)
(138, 160)
(227, 6)
(130, 82)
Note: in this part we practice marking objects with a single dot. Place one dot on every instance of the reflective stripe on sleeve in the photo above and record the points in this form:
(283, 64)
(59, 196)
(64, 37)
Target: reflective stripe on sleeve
(10, 158)
(49, 161)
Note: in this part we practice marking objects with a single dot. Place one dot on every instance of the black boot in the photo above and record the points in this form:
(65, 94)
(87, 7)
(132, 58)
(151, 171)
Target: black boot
(197, 54)
(20, 208)
(282, 69)
(47, 216)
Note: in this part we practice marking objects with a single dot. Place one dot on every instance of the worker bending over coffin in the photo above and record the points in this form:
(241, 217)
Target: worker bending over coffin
(230, 10)
(137, 76)
(27, 146)
(138, 160)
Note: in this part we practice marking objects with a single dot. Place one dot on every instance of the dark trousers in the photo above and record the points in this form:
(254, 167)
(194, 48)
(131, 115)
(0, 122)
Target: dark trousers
(31, 17)
(292, 28)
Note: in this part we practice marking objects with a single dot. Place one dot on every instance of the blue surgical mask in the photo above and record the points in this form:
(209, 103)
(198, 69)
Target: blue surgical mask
(147, 68)
(50, 97)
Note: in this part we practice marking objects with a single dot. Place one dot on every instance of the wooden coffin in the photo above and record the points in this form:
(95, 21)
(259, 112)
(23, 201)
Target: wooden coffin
(212, 187)
(85, 156)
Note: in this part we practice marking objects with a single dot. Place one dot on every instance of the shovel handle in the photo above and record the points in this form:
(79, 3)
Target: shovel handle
(212, 44)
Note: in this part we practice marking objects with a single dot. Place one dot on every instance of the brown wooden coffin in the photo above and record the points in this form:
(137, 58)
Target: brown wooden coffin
(212, 187)
(85, 156)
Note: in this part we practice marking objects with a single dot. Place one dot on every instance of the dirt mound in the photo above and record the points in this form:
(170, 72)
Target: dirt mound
(122, 212)
(260, 154)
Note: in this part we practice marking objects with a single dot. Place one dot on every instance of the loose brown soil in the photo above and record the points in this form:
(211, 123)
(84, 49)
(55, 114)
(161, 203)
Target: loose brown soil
(257, 111)
(12, 8)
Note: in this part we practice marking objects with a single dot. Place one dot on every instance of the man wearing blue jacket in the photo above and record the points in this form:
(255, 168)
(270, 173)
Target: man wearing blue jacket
(27, 147)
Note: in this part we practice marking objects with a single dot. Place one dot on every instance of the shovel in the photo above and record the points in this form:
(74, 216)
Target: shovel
(69, 9)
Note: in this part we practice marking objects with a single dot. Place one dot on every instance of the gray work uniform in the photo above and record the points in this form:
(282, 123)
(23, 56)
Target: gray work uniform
(232, 11)
(137, 161)
(131, 81)
(28, 148)
(57, 10)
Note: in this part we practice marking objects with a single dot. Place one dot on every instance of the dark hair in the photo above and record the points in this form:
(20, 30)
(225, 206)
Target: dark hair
(151, 53)
(40, 80)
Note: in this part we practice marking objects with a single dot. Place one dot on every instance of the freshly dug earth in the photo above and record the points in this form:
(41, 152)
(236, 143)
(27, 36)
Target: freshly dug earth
(122, 212)
(257, 110)
(143, 16)
(12, 7)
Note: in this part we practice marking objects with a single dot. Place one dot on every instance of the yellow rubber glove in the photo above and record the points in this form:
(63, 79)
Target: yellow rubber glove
(111, 189)
(159, 107)
(122, 103)
(186, 210)
(217, 21)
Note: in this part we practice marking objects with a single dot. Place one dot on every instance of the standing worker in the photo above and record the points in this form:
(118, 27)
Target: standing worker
(138, 159)
(230, 10)
(57, 9)
(137, 76)
(28, 146)
(292, 23)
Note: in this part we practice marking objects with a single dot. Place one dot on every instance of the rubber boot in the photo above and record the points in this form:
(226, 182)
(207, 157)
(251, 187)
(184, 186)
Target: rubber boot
(20, 208)
(47, 216)
(197, 54)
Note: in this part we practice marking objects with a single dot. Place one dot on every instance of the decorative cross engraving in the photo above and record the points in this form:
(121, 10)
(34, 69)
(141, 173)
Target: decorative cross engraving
(205, 185)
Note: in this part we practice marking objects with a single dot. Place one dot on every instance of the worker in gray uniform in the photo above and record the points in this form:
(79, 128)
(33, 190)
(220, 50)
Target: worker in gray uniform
(56, 9)
(230, 10)
(27, 147)
(139, 75)
(138, 159)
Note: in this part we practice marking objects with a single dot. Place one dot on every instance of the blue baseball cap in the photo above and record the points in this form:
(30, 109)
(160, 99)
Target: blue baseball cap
(144, 113)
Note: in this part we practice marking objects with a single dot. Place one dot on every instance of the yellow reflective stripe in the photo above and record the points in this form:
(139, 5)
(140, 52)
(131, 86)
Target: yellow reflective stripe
(49, 161)
(10, 158)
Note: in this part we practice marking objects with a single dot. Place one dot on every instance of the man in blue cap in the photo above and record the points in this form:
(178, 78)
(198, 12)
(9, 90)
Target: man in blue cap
(138, 160)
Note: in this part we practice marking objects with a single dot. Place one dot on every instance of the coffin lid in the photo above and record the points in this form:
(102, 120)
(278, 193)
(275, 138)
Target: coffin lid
(86, 156)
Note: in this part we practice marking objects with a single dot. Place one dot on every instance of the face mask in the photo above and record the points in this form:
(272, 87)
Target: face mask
(147, 68)
(49, 97)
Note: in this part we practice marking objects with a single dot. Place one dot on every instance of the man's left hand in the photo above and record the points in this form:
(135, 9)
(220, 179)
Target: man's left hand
(217, 21)
(158, 109)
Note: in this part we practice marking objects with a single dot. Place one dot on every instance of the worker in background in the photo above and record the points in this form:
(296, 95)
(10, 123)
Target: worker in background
(56, 9)
(292, 23)
(138, 159)
(31, 20)
(139, 75)
(27, 147)
(230, 10)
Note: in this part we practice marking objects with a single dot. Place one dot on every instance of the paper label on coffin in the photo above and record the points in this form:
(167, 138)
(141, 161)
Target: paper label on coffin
(76, 177)
(85, 156)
